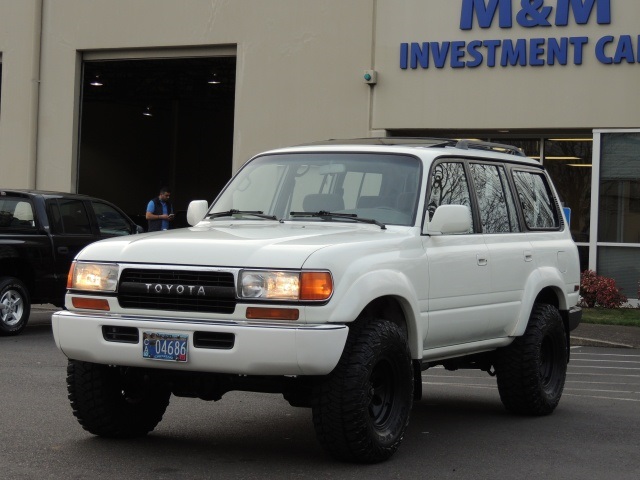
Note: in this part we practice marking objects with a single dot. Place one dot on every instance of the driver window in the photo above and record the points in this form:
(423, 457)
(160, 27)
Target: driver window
(110, 221)
(449, 186)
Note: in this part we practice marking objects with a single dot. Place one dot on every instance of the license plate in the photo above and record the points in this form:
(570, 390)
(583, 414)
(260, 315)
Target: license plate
(170, 347)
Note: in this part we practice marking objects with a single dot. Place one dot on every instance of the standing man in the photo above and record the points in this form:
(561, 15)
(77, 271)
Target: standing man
(160, 211)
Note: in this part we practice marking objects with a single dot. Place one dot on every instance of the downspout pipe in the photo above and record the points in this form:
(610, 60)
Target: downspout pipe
(35, 94)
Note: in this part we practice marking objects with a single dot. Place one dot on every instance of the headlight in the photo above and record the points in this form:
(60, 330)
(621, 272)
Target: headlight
(285, 285)
(93, 276)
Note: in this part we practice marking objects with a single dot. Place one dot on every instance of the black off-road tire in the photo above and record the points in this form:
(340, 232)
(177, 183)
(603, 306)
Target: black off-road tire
(361, 409)
(15, 306)
(531, 371)
(114, 402)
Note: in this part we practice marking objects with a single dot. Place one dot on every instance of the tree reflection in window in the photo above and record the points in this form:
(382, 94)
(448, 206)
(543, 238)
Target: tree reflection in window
(537, 206)
(449, 186)
(497, 208)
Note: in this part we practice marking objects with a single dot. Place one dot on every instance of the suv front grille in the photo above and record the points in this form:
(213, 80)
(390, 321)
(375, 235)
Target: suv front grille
(177, 290)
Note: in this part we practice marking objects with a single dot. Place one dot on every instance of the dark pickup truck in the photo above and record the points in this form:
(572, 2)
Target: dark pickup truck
(40, 234)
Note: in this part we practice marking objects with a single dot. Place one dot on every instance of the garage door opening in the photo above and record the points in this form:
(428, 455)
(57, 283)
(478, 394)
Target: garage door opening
(146, 123)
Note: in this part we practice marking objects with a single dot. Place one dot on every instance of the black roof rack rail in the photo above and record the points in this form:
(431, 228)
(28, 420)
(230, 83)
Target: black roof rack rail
(491, 146)
(400, 141)
(423, 142)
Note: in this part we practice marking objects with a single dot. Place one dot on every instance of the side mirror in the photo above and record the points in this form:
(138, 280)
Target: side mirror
(196, 211)
(447, 220)
(139, 229)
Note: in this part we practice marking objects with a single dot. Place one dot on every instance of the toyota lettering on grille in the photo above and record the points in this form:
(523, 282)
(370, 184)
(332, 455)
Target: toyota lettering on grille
(176, 290)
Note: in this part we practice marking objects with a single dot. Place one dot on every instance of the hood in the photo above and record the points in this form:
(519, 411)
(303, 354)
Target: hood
(234, 244)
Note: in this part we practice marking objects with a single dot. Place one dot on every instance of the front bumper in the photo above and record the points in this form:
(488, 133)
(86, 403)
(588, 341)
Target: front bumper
(258, 349)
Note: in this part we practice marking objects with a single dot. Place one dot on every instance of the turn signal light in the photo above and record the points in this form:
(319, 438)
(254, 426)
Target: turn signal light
(265, 313)
(90, 303)
(315, 285)
(70, 275)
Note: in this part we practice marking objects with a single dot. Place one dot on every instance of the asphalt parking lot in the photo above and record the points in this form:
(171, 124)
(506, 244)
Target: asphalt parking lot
(459, 430)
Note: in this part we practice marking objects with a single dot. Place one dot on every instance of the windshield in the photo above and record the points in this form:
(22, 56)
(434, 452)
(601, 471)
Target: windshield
(381, 187)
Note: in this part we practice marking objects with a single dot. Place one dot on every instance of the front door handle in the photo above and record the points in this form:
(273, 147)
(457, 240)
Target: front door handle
(482, 261)
(528, 256)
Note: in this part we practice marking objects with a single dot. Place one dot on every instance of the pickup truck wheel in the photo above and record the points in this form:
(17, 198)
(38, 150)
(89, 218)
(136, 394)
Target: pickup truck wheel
(531, 371)
(15, 306)
(361, 409)
(114, 402)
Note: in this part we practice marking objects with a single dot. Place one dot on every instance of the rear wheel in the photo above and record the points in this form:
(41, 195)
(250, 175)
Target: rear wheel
(531, 371)
(361, 410)
(114, 402)
(15, 306)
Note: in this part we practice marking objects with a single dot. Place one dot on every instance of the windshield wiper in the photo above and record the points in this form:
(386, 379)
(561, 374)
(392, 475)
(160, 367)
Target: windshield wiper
(241, 213)
(331, 215)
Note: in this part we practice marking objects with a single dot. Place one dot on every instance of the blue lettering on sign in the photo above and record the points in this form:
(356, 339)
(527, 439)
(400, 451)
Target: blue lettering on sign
(532, 13)
(485, 13)
(623, 50)
(582, 11)
(535, 52)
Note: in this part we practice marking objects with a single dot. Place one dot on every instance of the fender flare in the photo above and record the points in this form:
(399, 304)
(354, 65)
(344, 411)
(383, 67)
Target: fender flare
(541, 278)
(376, 284)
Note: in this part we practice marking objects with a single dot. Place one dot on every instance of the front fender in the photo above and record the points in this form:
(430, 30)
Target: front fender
(541, 278)
(382, 283)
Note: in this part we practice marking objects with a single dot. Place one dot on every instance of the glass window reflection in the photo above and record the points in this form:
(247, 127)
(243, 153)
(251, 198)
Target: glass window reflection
(568, 162)
(619, 205)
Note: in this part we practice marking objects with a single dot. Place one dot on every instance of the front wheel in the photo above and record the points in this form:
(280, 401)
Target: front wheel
(115, 402)
(361, 410)
(15, 306)
(531, 371)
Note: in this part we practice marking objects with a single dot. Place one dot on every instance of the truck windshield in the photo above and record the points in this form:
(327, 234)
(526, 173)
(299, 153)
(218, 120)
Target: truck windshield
(380, 187)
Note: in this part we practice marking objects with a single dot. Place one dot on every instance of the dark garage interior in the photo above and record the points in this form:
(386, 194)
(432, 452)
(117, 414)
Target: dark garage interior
(149, 123)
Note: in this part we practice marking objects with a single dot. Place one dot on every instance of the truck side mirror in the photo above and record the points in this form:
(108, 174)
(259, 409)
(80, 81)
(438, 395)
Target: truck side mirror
(448, 220)
(196, 211)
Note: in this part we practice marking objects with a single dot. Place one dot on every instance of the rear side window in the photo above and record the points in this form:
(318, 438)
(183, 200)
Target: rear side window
(16, 213)
(73, 214)
(539, 208)
(495, 201)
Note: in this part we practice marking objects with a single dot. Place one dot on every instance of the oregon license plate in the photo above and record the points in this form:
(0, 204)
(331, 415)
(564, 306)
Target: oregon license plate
(170, 347)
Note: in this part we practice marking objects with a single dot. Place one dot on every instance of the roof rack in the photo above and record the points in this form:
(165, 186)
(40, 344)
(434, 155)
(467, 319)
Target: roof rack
(491, 146)
(401, 141)
(424, 142)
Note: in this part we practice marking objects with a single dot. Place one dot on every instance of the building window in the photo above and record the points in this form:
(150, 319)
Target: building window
(619, 203)
(568, 162)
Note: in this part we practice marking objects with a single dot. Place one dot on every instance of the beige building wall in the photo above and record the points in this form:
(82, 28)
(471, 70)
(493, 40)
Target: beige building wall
(299, 69)
(19, 50)
(591, 95)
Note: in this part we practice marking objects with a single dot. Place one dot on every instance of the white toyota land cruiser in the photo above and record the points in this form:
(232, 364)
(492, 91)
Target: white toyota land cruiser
(334, 274)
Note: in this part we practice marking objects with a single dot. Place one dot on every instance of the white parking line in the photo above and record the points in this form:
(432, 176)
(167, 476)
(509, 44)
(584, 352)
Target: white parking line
(609, 375)
(606, 368)
(637, 362)
(603, 355)
(602, 398)
(466, 385)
